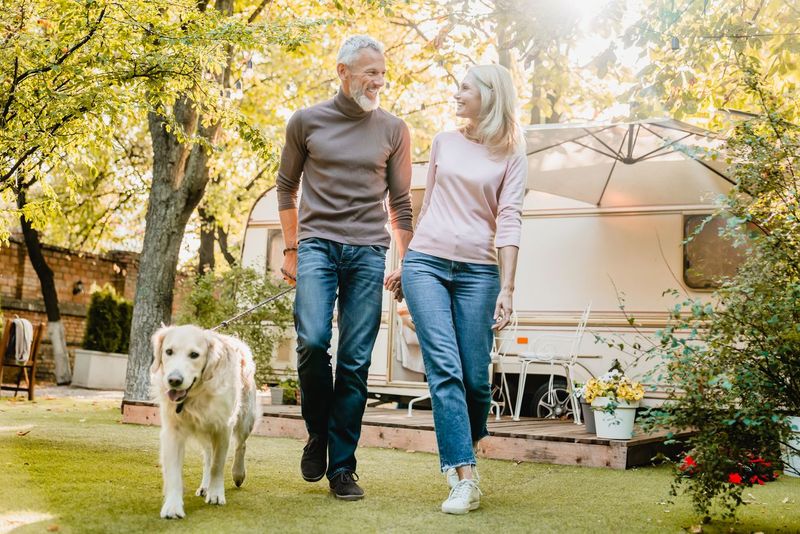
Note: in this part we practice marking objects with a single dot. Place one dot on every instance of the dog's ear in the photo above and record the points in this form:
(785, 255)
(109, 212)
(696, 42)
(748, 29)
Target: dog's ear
(158, 341)
(217, 352)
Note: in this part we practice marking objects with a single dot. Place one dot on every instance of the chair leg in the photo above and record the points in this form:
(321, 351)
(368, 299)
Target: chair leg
(496, 406)
(31, 384)
(552, 398)
(506, 393)
(523, 373)
(412, 401)
(576, 408)
(19, 379)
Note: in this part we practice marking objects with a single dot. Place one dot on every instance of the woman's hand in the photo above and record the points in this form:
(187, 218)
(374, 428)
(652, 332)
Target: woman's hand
(392, 283)
(503, 309)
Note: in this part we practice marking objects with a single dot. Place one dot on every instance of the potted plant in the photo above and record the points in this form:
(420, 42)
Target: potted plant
(103, 360)
(291, 391)
(614, 399)
(587, 416)
(276, 393)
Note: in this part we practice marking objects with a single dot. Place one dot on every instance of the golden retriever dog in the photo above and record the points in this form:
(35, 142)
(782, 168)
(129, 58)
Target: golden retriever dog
(207, 391)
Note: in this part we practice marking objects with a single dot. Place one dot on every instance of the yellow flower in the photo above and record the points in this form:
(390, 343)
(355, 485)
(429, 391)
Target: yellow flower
(617, 387)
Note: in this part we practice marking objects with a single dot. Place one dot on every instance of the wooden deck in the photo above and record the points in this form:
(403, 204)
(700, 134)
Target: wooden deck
(529, 440)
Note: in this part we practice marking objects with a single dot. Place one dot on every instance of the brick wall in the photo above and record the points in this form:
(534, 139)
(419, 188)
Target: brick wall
(20, 292)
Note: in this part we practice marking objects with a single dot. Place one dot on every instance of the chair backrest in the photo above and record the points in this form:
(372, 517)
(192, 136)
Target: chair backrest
(6, 338)
(38, 331)
(506, 338)
(576, 342)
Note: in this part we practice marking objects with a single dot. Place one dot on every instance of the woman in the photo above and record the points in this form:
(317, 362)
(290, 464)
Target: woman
(471, 214)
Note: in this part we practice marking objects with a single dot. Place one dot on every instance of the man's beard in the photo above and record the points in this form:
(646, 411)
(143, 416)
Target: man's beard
(365, 103)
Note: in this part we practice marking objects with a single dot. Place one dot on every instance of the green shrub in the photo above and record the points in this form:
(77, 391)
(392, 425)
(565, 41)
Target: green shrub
(125, 318)
(733, 365)
(290, 388)
(216, 297)
(108, 322)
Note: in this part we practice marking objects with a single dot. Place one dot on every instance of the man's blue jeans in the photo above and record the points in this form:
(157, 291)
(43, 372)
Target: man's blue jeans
(333, 409)
(452, 304)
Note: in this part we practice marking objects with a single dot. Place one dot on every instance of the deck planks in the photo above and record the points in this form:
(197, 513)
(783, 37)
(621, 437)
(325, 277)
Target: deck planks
(529, 439)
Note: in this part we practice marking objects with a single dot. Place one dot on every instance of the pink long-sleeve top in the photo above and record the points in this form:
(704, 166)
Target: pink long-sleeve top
(473, 202)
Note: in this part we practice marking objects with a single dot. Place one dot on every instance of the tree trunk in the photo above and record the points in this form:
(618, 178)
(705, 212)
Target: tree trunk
(58, 340)
(222, 240)
(555, 117)
(180, 175)
(503, 50)
(54, 326)
(206, 253)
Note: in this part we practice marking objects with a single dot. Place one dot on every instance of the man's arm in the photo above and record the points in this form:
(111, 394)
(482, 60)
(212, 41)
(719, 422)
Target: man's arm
(289, 228)
(293, 159)
(399, 179)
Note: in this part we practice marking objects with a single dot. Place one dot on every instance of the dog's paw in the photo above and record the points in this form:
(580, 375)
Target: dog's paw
(173, 510)
(238, 478)
(202, 491)
(215, 497)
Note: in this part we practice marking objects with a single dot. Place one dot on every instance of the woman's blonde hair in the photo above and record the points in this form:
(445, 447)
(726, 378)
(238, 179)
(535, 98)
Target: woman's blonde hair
(497, 121)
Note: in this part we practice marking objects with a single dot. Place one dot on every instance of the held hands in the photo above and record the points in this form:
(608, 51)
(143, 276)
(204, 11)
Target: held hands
(392, 283)
(503, 310)
(289, 268)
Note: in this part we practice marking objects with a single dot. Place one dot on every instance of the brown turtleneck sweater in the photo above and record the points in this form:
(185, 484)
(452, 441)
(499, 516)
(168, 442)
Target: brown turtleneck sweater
(351, 162)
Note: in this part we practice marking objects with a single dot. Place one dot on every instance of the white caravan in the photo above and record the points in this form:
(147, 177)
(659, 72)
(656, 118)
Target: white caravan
(605, 219)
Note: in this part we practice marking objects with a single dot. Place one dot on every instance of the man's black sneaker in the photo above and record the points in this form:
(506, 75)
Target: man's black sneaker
(344, 486)
(314, 461)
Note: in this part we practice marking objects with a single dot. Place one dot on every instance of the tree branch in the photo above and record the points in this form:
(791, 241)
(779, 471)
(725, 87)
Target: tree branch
(66, 54)
(258, 10)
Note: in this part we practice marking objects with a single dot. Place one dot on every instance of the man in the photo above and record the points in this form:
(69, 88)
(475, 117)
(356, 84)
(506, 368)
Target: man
(355, 160)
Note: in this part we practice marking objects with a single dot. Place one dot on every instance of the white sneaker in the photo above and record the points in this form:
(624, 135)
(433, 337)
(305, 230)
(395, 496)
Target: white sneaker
(452, 476)
(464, 497)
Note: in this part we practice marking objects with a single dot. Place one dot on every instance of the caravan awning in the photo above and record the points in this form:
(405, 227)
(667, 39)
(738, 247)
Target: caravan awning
(654, 162)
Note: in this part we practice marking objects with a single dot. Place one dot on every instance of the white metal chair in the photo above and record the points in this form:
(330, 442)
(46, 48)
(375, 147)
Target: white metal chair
(550, 349)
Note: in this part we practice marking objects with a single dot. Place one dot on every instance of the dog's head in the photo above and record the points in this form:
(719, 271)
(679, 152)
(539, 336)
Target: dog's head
(185, 356)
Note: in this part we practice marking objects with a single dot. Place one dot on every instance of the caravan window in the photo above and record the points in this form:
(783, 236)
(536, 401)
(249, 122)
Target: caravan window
(708, 257)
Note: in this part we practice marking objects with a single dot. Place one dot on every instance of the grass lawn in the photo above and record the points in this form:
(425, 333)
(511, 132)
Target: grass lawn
(72, 466)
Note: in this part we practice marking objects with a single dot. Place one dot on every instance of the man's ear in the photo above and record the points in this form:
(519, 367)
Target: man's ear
(343, 71)
(158, 341)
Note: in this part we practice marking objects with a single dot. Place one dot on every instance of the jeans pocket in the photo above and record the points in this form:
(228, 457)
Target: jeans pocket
(378, 250)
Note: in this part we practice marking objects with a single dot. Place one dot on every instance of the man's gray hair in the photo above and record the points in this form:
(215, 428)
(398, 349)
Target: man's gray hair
(353, 45)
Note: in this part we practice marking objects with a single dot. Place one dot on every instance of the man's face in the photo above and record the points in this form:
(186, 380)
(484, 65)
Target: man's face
(364, 78)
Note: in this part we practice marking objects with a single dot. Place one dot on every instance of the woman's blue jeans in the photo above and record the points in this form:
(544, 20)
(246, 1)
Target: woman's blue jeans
(452, 304)
(326, 272)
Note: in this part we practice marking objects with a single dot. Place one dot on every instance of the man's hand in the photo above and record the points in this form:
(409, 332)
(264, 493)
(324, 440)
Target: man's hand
(503, 310)
(289, 269)
(392, 283)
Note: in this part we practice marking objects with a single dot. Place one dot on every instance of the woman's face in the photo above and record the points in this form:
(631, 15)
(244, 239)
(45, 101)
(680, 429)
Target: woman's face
(468, 99)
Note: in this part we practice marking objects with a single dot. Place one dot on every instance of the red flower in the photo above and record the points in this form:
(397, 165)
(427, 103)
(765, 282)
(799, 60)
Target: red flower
(735, 478)
(756, 480)
(689, 461)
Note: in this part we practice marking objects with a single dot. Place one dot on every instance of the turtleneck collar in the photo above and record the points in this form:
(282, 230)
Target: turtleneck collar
(348, 106)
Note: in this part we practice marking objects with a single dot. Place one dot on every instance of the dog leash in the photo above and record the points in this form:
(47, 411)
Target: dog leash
(257, 306)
